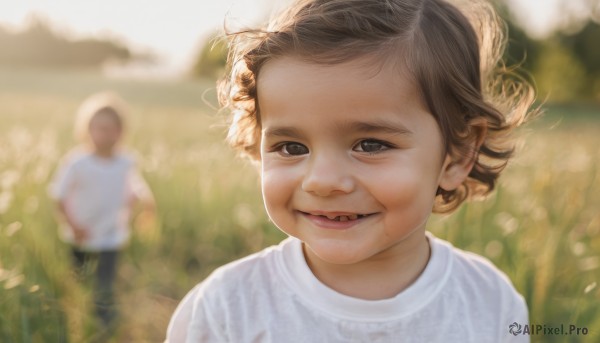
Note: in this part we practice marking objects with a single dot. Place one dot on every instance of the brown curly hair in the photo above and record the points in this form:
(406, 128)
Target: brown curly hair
(453, 55)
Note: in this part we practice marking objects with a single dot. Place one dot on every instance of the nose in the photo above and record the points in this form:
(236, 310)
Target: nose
(327, 175)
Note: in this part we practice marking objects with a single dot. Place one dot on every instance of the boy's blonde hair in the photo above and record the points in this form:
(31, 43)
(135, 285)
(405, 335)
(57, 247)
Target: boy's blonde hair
(454, 61)
(103, 102)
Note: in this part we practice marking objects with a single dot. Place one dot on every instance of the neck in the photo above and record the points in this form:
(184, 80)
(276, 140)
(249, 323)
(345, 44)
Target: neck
(382, 276)
(105, 153)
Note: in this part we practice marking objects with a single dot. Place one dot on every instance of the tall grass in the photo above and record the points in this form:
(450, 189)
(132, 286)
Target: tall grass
(541, 226)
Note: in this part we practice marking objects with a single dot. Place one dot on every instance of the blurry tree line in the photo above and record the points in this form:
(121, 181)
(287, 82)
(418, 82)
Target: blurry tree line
(565, 66)
(40, 46)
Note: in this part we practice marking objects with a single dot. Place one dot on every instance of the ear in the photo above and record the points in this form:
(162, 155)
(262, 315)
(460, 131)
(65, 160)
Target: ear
(456, 167)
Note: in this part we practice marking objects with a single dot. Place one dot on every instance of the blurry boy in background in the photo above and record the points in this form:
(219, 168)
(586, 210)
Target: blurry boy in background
(96, 186)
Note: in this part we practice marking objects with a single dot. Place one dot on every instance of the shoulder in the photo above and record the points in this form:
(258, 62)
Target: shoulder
(475, 267)
(478, 278)
(240, 276)
(74, 157)
(250, 271)
(233, 290)
(126, 155)
(478, 293)
(129, 157)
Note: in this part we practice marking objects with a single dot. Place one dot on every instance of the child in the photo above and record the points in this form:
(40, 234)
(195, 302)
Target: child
(96, 187)
(365, 116)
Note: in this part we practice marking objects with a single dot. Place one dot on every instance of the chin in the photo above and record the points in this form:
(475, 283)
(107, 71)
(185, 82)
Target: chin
(336, 253)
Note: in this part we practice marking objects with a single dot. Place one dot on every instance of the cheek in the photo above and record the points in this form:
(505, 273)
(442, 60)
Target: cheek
(406, 191)
(404, 178)
(401, 187)
(278, 185)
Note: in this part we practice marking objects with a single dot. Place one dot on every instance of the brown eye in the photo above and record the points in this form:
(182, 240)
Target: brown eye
(293, 149)
(371, 146)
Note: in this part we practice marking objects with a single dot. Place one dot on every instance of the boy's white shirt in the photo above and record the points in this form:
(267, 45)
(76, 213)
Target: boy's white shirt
(272, 296)
(97, 194)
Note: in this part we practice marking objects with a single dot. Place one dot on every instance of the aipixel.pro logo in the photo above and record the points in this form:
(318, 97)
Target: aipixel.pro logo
(515, 328)
(538, 329)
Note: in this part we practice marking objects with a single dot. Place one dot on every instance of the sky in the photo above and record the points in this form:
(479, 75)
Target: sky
(175, 29)
(540, 17)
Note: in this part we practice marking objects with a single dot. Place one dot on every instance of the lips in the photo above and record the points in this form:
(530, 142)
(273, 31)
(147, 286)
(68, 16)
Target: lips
(344, 218)
(335, 219)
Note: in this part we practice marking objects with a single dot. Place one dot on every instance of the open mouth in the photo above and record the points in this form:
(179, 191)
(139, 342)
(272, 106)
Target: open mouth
(340, 218)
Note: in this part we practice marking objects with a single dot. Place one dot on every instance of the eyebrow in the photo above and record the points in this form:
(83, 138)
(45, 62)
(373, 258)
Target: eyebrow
(282, 131)
(380, 126)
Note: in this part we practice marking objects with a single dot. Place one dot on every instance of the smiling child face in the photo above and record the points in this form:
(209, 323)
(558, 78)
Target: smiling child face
(351, 159)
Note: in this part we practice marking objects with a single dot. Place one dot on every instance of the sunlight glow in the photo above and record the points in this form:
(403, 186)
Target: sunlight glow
(172, 29)
(175, 29)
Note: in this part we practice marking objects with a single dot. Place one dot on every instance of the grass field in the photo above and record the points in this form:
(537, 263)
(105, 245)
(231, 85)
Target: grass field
(542, 226)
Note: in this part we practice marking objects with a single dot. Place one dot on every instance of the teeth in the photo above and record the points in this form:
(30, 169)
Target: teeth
(344, 218)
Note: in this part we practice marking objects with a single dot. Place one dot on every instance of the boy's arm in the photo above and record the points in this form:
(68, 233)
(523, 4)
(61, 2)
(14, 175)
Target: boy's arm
(59, 188)
(141, 192)
(79, 233)
(145, 220)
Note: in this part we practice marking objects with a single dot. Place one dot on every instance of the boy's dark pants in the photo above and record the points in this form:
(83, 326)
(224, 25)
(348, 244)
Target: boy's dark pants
(105, 277)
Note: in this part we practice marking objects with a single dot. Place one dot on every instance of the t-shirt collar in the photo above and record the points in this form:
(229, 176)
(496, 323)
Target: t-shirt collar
(310, 290)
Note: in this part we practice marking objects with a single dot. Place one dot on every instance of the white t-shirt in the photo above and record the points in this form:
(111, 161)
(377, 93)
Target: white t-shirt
(272, 296)
(97, 193)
